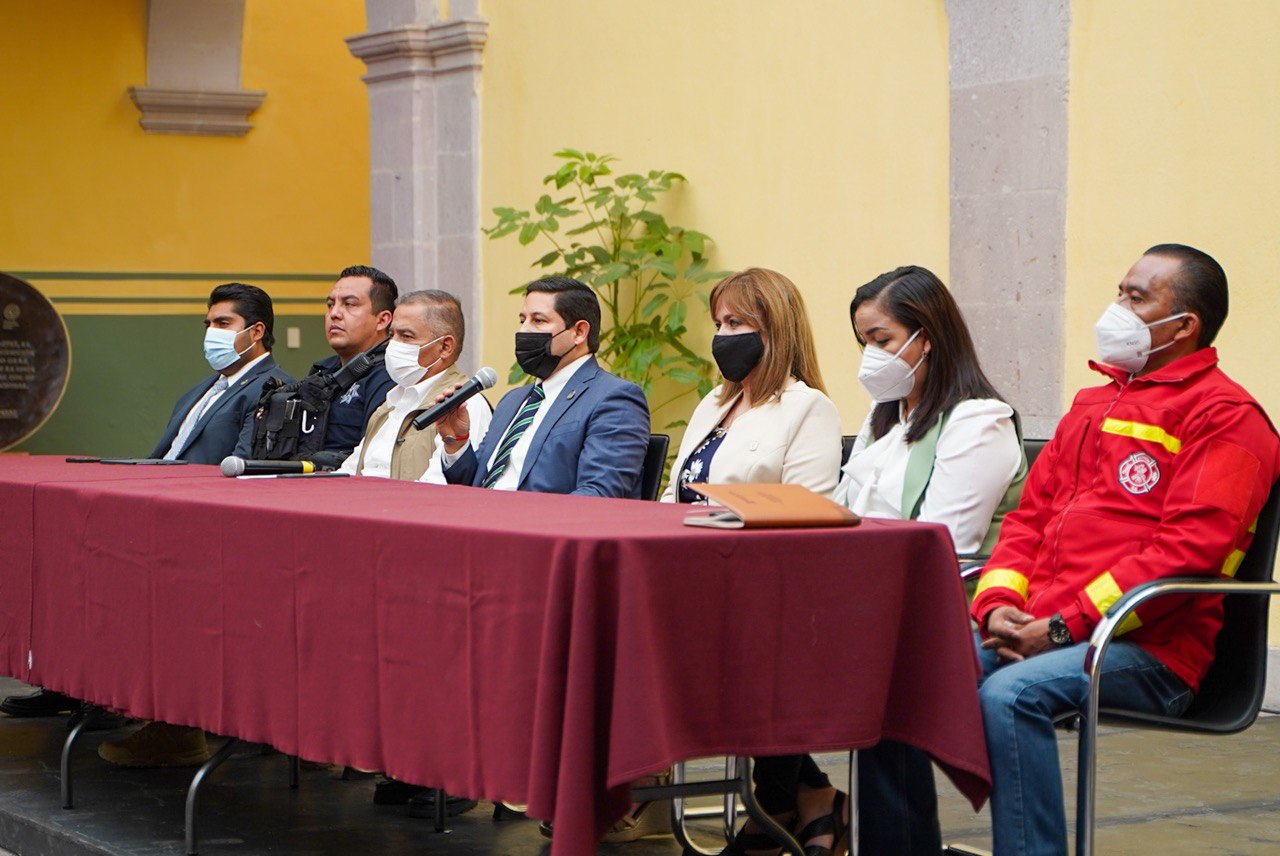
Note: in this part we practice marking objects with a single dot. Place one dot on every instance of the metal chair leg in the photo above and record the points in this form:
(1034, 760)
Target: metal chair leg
(88, 713)
(754, 810)
(853, 803)
(681, 813)
(193, 790)
(442, 808)
(1087, 775)
(295, 763)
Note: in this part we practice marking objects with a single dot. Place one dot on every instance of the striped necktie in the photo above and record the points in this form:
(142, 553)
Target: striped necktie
(524, 418)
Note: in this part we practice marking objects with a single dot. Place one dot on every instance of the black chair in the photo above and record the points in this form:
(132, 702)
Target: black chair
(1230, 695)
(971, 564)
(1032, 449)
(846, 447)
(655, 464)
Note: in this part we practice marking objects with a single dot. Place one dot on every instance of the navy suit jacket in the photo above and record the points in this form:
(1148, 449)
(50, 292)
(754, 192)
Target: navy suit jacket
(592, 442)
(227, 427)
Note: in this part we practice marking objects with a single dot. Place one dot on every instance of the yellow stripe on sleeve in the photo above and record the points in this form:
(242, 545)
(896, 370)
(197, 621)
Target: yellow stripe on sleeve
(1104, 592)
(1003, 578)
(1140, 431)
(1131, 622)
(1232, 564)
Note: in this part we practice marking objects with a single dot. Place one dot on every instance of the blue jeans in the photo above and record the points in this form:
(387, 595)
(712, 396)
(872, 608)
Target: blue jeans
(1019, 703)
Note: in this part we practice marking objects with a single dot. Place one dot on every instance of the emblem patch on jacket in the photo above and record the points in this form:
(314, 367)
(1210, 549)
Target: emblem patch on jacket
(1139, 473)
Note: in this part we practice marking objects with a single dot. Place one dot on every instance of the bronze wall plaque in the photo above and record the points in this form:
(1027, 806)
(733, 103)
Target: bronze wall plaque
(35, 359)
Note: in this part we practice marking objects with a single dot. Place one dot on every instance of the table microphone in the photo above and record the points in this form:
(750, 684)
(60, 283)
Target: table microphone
(483, 379)
(233, 466)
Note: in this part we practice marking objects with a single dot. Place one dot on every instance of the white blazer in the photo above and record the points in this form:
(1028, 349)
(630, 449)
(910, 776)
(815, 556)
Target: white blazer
(792, 439)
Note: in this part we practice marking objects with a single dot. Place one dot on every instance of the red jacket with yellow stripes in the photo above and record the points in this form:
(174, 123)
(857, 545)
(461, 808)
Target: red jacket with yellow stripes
(1161, 475)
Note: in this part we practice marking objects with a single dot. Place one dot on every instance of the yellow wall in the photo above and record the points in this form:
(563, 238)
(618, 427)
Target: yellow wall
(87, 190)
(1173, 136)
(1173, 130)
(814, 137)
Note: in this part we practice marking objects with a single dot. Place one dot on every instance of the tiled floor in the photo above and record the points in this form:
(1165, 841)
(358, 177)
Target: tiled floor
(1159, 793)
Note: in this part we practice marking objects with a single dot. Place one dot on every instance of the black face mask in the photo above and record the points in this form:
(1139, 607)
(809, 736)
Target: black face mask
(533, 353)
(737, 354)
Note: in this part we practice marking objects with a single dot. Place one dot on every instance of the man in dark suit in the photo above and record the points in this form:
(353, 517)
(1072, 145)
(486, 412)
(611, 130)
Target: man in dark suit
(215, 417)
(212, 420)
(577, 430)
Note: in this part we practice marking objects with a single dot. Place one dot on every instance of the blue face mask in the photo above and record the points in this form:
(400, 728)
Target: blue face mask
(220, 347)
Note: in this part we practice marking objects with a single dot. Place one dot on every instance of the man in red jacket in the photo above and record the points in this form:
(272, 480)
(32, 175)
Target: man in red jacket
(1160, 472)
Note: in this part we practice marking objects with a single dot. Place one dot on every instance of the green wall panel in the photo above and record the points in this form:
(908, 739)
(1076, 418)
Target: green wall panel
(127, 372)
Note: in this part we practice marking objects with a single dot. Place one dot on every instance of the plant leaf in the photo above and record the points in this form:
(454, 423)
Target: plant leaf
(652, 306)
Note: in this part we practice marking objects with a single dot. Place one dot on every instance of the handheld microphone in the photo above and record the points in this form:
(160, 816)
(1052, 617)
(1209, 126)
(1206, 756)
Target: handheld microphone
(483, 379)
(233, 466)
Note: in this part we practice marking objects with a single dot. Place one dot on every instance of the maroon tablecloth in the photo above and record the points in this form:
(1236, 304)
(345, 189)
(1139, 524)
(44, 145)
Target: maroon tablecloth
(532, 648)
(19, 475)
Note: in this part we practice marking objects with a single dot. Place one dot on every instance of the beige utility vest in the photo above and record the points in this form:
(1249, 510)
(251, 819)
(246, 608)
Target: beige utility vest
(413, 448)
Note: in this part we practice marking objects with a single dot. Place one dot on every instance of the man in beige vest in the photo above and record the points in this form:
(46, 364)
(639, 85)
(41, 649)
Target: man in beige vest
(426, 340)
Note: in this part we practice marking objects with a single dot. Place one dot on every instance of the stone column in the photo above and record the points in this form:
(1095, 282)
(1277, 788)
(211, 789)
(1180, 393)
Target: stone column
(424, 122)
(1008, 193)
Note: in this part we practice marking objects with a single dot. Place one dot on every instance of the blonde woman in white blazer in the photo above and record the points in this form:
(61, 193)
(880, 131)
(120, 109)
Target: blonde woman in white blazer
(770, 421)
(794, 438)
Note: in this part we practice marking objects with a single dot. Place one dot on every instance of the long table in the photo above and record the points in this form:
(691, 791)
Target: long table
(530, 648)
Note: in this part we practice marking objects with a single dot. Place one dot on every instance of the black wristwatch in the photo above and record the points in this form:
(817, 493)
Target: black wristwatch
(1059, 632)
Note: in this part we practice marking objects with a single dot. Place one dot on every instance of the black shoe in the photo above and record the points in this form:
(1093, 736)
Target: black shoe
(424, 805)
(40, 703)
(394, 792)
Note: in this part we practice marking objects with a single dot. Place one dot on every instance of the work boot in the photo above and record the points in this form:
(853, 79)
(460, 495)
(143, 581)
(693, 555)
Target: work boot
(158, 744)
(42, 702)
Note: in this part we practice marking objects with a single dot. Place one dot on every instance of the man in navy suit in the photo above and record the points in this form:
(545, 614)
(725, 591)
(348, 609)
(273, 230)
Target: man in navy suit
(212, 420)
(215, 417)
(577, 430)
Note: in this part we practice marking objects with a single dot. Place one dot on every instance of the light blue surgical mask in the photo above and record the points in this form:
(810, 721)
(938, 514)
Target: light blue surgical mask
(220, 347)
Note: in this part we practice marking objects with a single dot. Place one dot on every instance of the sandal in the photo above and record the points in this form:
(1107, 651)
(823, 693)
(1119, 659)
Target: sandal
(649, 818)
(833, 824)
(745, 843)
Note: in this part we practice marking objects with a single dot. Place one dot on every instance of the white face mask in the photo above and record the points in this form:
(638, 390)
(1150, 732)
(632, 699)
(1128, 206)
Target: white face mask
(402, 362)
(1124, 339)
(886, 376)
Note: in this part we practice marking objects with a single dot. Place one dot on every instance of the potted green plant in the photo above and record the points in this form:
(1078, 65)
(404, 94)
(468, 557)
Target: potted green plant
(606, 233)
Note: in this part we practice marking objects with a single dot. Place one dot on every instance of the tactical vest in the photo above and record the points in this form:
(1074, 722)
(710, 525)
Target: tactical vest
(290, 422)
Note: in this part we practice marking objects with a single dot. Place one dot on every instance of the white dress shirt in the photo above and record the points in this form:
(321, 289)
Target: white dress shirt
(211, 396)
(510, 478)
(403, 400)
(977, 456)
